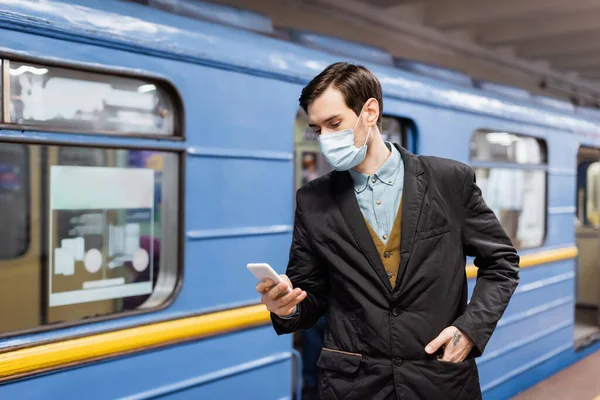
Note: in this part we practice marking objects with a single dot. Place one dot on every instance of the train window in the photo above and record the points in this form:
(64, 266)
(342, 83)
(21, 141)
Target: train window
(311, 164)
(63, 98)
(593, 194)
(513, 193)
(14, 200)
(108, 227)
(393, 130)
(507, 147)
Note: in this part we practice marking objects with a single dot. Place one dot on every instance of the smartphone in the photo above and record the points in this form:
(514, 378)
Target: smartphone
(264, 271)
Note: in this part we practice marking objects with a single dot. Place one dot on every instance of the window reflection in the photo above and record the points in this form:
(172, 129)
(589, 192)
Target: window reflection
(14, 200)
(517, 197)
(593, 194)
(507, 147)
(391, 130)
(65, 98)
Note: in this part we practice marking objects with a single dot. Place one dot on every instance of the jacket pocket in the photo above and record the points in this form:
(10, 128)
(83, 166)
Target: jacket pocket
(433, 232)
(337, 360)
(464, 363)
(448, 380)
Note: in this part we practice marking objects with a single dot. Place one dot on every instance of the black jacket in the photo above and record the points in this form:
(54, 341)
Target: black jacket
(375, 335)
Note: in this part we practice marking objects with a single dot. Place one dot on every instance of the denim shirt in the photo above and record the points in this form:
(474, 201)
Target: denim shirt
(379, 195)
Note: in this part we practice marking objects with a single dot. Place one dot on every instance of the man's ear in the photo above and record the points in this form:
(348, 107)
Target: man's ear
(372, 110)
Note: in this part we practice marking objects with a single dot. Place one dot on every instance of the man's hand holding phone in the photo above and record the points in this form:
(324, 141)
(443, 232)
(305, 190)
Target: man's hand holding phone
(275, 297)
(277, 291)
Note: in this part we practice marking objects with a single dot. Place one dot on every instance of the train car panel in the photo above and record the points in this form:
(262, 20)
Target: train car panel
(535, 349)
(219, 268)
(261, 196)
(241, 112)
(250, 384)
(158, 371)
(556, 235)
(530, 324)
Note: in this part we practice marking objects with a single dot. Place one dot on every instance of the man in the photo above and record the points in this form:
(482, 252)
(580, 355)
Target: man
(379, 247)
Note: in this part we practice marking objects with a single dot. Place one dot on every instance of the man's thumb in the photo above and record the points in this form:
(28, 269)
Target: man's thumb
(436, 343)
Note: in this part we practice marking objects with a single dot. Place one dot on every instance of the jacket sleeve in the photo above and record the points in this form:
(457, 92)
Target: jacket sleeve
(498, 267)
(307, 273)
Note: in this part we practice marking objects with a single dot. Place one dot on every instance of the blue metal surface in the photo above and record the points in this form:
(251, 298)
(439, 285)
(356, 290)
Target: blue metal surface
(234, 232)
(538, 320)
(216, 12)
(504, 90)
(223, 374)
(592, 113)
(135, 28)
(214, 368)
(341, 47)
(239, 153)
(240, 92)
(555, 103)
(432, 71)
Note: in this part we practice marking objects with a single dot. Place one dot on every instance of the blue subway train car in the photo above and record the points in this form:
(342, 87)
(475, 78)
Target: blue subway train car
(183, 117)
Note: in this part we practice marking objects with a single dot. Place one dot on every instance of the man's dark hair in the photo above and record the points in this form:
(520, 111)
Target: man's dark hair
(356, 83)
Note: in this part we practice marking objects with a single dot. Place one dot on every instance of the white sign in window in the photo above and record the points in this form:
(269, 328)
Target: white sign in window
(97, 217)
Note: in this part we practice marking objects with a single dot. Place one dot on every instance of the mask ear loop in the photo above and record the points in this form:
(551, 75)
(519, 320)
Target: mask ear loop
(368, 132)
(367, 139)
(355, 125)
(357, 121)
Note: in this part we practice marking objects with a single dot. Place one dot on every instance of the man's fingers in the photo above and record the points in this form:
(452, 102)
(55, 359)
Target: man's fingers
(288, 298)
(457, 346)
(438, 342)
(279, 299)
(454, 356)
(286, 279)
(285, 305)
(264, 285)
(277, 291)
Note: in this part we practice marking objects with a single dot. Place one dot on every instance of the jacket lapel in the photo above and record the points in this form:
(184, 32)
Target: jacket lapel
(346, 200)
(412, 200)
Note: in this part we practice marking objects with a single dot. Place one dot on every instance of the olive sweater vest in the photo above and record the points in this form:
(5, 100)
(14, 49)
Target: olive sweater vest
(390, 251)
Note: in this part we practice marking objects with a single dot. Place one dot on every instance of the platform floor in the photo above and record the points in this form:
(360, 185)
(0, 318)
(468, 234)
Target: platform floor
(586, 326)
(581, 381)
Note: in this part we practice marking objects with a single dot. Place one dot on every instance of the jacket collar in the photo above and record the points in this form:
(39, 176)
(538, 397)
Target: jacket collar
(412, 198)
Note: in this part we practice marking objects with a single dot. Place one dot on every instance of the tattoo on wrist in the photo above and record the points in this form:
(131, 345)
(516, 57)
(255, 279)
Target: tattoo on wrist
(456, 338)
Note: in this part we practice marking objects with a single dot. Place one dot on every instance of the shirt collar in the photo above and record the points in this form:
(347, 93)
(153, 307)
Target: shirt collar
(386, 174)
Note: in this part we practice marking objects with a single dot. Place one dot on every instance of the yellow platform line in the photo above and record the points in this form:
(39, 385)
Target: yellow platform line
(532, 260)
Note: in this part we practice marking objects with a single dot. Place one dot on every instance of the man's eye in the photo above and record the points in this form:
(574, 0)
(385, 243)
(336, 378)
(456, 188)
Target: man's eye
(335, 124)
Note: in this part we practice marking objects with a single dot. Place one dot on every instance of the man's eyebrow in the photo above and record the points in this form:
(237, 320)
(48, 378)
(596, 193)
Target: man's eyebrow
(312, 125)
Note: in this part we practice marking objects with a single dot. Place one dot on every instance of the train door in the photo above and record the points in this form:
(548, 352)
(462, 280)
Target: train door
(587, 311)
(310, 164)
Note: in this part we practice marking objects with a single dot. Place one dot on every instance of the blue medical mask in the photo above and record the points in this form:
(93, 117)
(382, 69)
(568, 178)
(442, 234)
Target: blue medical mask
(339, 150)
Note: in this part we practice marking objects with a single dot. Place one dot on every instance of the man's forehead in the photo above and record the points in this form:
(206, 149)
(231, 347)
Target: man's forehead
(331, 103)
